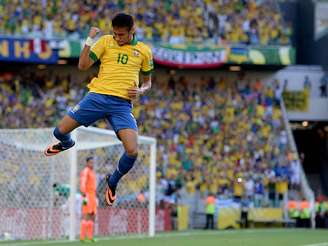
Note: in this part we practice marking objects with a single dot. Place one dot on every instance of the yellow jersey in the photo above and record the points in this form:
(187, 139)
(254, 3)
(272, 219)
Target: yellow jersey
(119, 66)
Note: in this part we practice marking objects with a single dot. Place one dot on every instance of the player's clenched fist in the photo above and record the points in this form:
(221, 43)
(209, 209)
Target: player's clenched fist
(134, 92)
(93, 32)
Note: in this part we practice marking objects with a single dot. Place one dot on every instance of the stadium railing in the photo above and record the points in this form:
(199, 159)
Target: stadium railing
(305, 187)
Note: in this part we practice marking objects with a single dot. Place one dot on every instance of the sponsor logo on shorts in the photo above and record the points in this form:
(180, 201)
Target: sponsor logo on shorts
(75, 109)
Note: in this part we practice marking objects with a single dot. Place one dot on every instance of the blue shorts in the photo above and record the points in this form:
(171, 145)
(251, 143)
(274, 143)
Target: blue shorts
(95, 106)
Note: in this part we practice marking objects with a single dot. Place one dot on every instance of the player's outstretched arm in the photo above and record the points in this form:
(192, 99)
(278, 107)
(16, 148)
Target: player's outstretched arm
(85, 61)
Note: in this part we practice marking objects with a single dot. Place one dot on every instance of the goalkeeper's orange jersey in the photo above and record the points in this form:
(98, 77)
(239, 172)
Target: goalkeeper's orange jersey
(88, 181)
(119, 66)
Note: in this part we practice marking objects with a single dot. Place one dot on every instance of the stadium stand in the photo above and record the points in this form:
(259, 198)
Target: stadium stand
(256, 22)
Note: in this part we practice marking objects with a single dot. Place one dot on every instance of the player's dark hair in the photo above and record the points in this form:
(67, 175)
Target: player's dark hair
(89, 158)
(123, 20)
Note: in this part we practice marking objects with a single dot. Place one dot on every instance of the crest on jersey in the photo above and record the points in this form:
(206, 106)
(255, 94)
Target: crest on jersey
(136, 53)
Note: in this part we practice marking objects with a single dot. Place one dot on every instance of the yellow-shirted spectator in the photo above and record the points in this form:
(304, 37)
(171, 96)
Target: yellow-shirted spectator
(260, 110)
(238, 188)
(276, 113)
(213, 187)
(191, 186)
(282, 186)
(266, 129)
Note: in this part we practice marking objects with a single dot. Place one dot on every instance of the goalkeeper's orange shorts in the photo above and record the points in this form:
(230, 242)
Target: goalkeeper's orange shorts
(91, 206)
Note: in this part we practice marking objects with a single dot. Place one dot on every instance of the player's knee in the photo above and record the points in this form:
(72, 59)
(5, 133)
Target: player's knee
(132, 151)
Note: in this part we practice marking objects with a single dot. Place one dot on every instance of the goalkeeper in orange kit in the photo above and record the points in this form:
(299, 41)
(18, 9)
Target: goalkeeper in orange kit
(89, 205)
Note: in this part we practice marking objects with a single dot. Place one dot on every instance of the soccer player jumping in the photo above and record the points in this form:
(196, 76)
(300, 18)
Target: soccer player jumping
(121, 58)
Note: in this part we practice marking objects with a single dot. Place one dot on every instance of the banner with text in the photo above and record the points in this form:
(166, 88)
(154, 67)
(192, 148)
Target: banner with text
(198, 57)
(25, 50)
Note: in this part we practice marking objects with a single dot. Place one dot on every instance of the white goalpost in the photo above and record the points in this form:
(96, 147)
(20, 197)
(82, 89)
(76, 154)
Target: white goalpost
(40, 195)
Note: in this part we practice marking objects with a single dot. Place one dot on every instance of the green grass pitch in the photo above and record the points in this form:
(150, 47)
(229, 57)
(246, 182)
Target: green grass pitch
(251, 237)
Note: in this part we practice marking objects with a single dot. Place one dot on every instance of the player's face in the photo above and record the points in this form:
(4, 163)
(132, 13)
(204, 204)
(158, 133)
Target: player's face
(90, 163)
(122, 35)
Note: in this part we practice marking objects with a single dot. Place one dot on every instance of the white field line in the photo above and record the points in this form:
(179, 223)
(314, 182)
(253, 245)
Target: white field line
(316, 244)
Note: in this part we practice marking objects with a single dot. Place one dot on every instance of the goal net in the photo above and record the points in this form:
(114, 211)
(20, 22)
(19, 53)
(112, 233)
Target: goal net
(40, 195)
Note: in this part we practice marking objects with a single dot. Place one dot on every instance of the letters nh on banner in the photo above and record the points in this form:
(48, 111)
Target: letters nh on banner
(25, 50)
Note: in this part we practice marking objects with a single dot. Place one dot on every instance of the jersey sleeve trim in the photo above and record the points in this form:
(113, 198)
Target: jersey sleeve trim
(93, 56)
(147, 72)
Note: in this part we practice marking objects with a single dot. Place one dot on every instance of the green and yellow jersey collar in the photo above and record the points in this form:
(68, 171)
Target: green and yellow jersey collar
(134, 41)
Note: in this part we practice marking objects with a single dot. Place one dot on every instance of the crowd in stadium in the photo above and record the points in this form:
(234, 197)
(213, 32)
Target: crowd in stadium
(231, 144)
(256, 22)
(218, 136)
(26, 96)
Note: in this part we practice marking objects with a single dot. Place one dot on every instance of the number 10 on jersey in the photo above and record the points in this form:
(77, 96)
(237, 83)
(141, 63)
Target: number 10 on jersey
(122, 58)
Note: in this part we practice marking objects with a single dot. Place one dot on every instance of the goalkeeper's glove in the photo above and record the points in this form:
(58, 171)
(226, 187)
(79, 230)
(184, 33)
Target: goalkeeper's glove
(85, 199)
